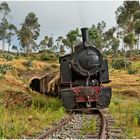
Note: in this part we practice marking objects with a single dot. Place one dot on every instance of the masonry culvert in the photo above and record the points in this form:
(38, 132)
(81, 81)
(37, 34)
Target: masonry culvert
(39, 83)
(35, 84)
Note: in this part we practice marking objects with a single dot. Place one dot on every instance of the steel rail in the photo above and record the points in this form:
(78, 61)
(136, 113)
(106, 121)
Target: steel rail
(102, 134)
(53, 129)
(104, 124)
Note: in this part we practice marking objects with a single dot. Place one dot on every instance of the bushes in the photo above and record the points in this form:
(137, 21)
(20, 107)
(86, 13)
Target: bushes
(120, 63)
(28, 64)
(8, 56)
(132, 71)
(48, 57)
(27, 123)
(41, 102)
(4, 68)
(88, 126)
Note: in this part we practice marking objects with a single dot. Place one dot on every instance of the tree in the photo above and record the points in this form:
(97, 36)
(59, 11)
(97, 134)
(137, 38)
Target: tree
(115, 45)
(137, 31)
(50, 42)
(4, 9)
(7, 30)
(12, 30)
(29, 32)
(96, 35)
(71, 39)
(130, 40)
(111, 42)
(60, 45)
(15, 48)
(126, 17)
(62, 50)
(47, 42)
(44, 42)
(3, 32)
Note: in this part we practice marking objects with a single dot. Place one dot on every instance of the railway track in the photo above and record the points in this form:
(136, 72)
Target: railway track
(84, 124)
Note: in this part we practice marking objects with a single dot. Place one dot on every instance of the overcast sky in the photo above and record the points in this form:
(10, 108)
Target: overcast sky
(58, 17)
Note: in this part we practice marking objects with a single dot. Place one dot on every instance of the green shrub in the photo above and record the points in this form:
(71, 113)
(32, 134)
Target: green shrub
(17, 56)
(120, 63)
(54, 104)
(136, 116)
(88, 127)
(5, 67)
(39, 101)
(48, 57)
(28, 64)
(8, 57)
(132, 71)
(42, 102)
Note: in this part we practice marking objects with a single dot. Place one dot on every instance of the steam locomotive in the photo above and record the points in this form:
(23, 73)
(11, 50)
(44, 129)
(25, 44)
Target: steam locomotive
(82, 75)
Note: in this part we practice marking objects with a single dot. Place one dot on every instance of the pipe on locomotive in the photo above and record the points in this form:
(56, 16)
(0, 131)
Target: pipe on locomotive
(84, 35)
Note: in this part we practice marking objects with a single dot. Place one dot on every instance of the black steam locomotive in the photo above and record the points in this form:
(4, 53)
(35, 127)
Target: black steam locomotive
(82, 74)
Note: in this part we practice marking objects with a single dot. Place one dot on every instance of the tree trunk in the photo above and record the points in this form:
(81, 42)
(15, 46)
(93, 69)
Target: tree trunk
(8, 48)
(138, 42)
(3, 45)
(124, 54)
(131, 48)
(72, 51)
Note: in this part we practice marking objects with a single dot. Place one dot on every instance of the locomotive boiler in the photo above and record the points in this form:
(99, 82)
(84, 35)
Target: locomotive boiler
(83, 74)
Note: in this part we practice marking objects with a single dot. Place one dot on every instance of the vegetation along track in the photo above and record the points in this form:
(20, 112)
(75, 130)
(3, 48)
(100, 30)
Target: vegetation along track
(84, 123)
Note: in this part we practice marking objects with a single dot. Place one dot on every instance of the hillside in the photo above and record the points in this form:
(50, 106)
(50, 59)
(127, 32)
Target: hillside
(31, 113)
(27, 109)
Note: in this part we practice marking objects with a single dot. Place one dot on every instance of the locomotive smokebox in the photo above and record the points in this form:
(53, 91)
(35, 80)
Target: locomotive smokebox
(84, 35)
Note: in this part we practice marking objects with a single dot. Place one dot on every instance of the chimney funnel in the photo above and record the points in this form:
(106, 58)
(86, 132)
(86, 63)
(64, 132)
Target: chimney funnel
(84, 35)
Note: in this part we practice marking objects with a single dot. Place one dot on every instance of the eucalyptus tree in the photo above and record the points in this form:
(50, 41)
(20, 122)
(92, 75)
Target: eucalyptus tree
(59, 41)
(50, 42)
(43, 43)
(115, 45)
(60, 44)
(4, 9)
(7, 30)
(29, 32)
(130, 40)
(111, 41)
(96, 35)
(71, 39)
(12, 30)
(137, 31)
(62, 49)
(126, 17)
(3, 32)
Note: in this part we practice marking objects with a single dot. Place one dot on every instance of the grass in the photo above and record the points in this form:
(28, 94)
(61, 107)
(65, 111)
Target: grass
(27, 122)
(40, 101)
(18, 121)
(124, 83)
(126, 111)
(125, 104)
(88, 126)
